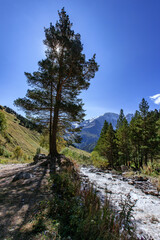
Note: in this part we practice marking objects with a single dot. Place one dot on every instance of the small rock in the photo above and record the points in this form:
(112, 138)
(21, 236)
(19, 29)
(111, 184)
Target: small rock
(108, 191)
(131, 183)
(151, 192)
(140, 178)
(125, 179)
(98, 173)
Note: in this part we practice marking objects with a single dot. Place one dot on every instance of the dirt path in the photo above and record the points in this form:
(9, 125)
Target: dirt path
(19, 200)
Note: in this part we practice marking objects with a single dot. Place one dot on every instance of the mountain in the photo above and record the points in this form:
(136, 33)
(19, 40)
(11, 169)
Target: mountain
(91, 129)
(17, 134)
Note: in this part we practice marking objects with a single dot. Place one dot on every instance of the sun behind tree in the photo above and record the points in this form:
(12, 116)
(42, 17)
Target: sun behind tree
(61, 77)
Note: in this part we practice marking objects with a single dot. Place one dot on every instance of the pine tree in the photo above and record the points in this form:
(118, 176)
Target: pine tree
(101, 139)
(153, 137)
(60, 79)
(109, 147)
(123, 143)
(144, 107)
(120, 119)
(136, 139)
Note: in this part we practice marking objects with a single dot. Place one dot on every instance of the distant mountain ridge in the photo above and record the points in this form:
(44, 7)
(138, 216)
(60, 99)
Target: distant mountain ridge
(91, 129)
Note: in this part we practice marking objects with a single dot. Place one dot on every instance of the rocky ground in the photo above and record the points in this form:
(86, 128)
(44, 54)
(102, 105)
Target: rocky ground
(22, 187)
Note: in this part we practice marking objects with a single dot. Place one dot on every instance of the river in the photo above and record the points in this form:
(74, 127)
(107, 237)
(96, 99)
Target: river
(146, 211)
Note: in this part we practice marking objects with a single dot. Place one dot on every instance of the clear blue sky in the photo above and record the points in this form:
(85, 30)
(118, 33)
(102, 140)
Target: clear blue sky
(124, 34)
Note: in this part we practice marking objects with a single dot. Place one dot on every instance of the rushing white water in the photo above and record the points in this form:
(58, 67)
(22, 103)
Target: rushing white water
(147, 207)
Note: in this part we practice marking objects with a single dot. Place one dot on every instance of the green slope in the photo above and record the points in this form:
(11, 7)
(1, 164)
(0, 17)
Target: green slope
(18, 135)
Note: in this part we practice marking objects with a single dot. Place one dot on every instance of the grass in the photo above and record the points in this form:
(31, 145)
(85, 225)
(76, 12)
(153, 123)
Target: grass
(80, 156)
(84, 158)
(18, 135)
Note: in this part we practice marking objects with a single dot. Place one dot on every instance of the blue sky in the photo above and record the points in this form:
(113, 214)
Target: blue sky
(124, 34)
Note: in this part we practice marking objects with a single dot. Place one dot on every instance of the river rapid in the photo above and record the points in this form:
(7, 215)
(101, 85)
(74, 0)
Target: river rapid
(147, 207)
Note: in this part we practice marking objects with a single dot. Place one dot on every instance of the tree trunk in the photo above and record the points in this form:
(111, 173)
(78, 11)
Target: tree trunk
(50, 120)
(53, 147)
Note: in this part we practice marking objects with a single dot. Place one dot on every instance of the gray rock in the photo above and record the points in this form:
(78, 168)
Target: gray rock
(39, 157)
(22, 175)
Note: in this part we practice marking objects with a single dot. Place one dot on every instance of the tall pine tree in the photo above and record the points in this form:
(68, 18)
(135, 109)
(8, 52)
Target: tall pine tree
(120, 119)
(123, 143)
(101, 138)
(60, 79)
(109, 147)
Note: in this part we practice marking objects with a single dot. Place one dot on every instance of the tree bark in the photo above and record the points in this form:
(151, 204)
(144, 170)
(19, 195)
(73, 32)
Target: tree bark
(50, 120)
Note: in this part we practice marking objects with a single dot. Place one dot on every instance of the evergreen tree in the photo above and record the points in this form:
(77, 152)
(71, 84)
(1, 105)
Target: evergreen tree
(153, 137)
(123, 143)
(109, 147)
(60, 79)
(143, 107)
(136, 139)
(120, 119)
(101, 138)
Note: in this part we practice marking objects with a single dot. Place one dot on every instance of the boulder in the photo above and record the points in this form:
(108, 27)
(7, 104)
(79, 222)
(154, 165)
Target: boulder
(39, 157)
(22, 175)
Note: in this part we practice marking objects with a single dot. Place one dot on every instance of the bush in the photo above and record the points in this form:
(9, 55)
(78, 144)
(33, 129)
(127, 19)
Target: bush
(7, 154)
(25, 157)
(7, 137)
(18, 152)
(38, 151)
(2, 149)
(4, 152)
(3, 122)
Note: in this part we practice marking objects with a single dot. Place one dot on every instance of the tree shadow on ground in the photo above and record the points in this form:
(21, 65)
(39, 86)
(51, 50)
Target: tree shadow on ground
(19, 200)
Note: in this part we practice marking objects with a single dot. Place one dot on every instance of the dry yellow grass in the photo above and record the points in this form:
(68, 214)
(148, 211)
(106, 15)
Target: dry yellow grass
(18, 135)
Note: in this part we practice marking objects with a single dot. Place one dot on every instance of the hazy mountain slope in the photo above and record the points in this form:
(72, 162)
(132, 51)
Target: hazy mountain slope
(91, 129)
(18, 135)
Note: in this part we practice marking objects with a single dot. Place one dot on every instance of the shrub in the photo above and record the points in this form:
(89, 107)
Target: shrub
(38, 151)
(7, 137)
(18, 152)
(2, 149)
(3, 122)
(7, 154)
(4, 152)
(25, 157)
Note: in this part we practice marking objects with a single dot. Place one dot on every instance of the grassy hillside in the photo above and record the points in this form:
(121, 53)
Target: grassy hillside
(18, 135)
(75, 154)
